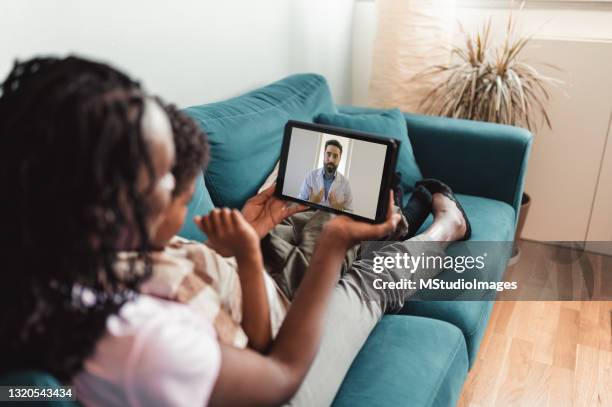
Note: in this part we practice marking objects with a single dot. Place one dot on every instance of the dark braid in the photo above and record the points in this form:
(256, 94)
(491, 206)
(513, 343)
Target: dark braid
(191, 148)
(71, 151)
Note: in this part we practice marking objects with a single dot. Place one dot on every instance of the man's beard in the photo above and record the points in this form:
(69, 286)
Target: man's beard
(330, 168)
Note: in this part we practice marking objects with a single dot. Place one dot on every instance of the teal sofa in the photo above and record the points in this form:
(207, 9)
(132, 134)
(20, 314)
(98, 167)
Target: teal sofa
(421, 356)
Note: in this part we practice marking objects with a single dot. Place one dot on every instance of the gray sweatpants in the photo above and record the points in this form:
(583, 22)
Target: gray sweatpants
(355, 307)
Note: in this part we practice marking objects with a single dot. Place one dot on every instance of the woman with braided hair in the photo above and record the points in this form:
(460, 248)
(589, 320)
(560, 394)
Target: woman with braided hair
(85, 170)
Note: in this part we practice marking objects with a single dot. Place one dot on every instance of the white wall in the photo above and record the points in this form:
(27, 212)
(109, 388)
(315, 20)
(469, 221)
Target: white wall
(365, 173)
(321, 38)
(189, 51)
(345, 142)
(566, 162)
(301, 159)
(365, 25)
(569, 170)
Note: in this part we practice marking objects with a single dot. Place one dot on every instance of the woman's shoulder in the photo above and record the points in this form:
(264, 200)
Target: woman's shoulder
(153, 352)
(145, 312)
(154, 324)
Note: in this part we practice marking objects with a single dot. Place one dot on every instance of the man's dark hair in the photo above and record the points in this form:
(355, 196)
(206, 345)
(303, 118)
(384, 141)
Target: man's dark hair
(191, 148)
(72, 151)
(334, 143)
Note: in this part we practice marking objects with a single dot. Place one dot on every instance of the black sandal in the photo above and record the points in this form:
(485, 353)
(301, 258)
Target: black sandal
(434, 186)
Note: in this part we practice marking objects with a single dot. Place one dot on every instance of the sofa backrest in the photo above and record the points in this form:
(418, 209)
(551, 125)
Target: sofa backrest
(245, 135)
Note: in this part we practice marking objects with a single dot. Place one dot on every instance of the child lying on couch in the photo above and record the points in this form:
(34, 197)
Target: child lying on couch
(235, 293)
(241, 297)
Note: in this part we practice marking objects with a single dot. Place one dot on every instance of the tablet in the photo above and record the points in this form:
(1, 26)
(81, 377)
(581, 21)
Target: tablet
(337, 170)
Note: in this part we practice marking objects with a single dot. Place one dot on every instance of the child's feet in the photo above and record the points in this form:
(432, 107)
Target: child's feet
(452, 225)
(449, 217)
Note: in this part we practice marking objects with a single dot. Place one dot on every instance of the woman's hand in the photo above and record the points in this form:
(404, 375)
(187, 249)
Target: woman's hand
(229, 234)
(264, 211)
(350, 232)
(274, 378)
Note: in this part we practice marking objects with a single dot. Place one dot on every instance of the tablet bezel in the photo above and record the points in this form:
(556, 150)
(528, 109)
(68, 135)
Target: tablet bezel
(387, 174)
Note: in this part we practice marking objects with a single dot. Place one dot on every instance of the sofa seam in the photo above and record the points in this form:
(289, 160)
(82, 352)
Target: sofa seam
(450, 360)
(311, 84)
(212, 190)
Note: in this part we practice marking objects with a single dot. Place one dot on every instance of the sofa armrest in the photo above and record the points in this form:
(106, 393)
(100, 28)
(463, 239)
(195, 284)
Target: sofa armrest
(474, 158)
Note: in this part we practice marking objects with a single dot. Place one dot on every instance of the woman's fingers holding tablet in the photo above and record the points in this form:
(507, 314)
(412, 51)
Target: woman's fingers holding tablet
(392, 218)
(390, 223)
(265, 210)
(351, 232)
(293, 209)
(263, 195)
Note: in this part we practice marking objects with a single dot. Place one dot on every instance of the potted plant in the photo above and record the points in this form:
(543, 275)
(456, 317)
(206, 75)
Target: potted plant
(491, 83)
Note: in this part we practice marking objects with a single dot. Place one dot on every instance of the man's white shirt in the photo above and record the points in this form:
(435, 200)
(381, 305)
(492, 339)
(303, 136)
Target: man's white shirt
(313, 183)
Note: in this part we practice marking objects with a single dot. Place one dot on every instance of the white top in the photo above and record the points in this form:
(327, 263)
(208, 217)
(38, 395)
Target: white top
(154, 353)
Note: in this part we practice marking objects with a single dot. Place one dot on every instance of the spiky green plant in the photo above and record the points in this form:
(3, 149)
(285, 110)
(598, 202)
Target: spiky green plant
(494, 85)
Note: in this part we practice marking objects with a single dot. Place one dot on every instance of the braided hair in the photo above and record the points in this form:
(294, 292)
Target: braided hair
(191, 146)
(71, 151)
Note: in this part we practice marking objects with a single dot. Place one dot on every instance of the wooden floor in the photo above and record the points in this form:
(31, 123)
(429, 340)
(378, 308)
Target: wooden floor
(544, 353)
(551, 272)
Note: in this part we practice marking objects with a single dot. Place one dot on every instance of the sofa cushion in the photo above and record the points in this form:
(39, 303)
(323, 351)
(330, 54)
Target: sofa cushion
(471, 317)
(245, 133)
(407, 361)
(388, 124)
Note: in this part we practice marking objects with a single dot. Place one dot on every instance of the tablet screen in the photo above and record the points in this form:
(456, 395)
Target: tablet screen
(335, 171)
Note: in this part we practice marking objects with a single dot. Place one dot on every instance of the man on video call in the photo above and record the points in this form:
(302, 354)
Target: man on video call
(325, 185)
